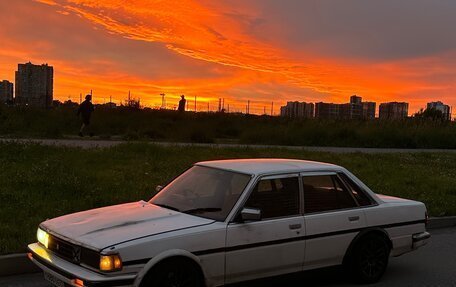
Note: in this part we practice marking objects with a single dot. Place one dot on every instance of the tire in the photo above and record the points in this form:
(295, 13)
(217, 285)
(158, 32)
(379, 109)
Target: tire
(174, 273)
(369, 259)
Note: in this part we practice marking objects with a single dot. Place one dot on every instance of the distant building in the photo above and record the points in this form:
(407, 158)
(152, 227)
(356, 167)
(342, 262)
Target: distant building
(297, 110)
(356, 100)
(327, 110)
(6, 92)
(393, 111)
(355, 110)
(34, 85)
(445, 109)
(349, 111)
(369, 110)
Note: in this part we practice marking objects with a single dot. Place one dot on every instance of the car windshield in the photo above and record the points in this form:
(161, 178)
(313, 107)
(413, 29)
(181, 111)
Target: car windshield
(203, 191)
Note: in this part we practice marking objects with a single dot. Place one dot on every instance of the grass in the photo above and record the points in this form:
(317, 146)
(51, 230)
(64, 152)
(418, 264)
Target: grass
(171, 126)
(39, 182)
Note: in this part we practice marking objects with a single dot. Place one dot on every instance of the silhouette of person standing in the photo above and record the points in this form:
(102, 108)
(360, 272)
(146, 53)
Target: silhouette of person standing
(182, 102)
(85, 110)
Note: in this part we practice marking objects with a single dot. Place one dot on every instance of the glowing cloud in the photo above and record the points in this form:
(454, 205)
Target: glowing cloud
(238, 50)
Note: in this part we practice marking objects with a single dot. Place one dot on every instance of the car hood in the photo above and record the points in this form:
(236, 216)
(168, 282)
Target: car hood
(107, 226)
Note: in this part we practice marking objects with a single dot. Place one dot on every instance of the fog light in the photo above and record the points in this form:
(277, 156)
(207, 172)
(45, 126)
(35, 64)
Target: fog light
(110, 262)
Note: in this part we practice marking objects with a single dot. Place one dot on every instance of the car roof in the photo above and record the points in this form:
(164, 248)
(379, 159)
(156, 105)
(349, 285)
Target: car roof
(269, 165)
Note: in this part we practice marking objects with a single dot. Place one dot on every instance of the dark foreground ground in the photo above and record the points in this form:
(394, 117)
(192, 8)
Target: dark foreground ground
(432, 265)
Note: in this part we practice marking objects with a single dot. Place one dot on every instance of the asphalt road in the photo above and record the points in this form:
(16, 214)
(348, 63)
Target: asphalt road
(94, 143)
(432, 265)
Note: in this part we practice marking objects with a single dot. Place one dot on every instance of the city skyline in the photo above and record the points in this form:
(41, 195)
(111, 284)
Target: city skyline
(238, 51)
(34, 87)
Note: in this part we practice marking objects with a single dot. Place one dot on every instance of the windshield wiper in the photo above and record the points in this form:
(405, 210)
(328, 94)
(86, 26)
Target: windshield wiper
(202, 209)
(166, 206)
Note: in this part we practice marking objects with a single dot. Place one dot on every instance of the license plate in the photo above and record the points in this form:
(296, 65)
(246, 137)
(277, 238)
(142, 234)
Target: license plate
(54, 280)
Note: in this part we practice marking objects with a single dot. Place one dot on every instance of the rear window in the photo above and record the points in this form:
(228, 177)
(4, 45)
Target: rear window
(325, 193)
(358, 193)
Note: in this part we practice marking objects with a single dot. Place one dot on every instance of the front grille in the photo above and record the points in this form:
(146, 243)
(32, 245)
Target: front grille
(64, 249)
(73, 253)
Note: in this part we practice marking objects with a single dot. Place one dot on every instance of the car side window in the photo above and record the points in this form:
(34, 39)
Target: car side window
(325, 193)
(358, 193)
(277, 197)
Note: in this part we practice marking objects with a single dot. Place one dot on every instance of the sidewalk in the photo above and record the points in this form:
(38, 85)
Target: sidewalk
(96, 143)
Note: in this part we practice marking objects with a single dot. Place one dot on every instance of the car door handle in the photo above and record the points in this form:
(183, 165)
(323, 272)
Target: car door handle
(353, 218)
(295, 226)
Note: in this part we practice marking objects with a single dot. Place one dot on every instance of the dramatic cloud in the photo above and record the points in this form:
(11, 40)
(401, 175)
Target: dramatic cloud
(262, 50)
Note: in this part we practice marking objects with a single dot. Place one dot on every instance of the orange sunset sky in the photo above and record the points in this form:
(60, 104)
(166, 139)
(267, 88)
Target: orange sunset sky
(258, 50)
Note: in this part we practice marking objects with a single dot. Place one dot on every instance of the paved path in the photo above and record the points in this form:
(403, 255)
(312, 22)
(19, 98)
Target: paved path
(432, 265)
(88, 143)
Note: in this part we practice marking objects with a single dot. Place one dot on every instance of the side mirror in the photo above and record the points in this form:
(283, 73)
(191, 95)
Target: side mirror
(158, 188)
(251, 214)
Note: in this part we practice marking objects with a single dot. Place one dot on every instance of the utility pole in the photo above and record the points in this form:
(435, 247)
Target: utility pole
(195, 103)
(248, 107)
(264, 110)
(80, 98)
(163, 106)
(272, 109)
(208, 107)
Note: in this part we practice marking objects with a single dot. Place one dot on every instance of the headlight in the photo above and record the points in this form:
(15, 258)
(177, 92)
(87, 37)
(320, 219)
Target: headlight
(110, 262)
(43, 237)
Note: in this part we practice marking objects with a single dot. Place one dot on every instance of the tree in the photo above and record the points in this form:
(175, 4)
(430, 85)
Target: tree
(430, 114)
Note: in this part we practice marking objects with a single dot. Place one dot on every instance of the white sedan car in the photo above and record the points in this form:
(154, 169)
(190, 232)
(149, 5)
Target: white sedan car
(222, 222)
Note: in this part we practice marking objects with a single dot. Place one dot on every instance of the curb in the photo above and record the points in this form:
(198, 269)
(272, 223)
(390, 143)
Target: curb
(441, 222)
(15, 264)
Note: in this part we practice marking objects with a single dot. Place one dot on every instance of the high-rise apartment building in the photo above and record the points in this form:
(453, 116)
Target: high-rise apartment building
(355, 110)
(6, 92)
(369, 110)
(445, 109)
(327, 110)
(393, 111)
(34, 85)
(297, 110)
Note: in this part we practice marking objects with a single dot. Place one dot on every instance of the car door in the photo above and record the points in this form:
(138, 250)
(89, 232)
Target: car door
(332, 217)
(274, 244)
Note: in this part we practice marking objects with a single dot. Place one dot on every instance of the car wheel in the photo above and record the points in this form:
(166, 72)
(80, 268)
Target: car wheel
(174, 273)
(369, 259)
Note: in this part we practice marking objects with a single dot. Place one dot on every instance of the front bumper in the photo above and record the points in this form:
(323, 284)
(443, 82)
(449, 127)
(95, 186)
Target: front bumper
(69, 272)
(420, 239)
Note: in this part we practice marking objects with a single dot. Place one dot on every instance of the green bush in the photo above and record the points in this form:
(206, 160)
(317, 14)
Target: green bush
(217, 127)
